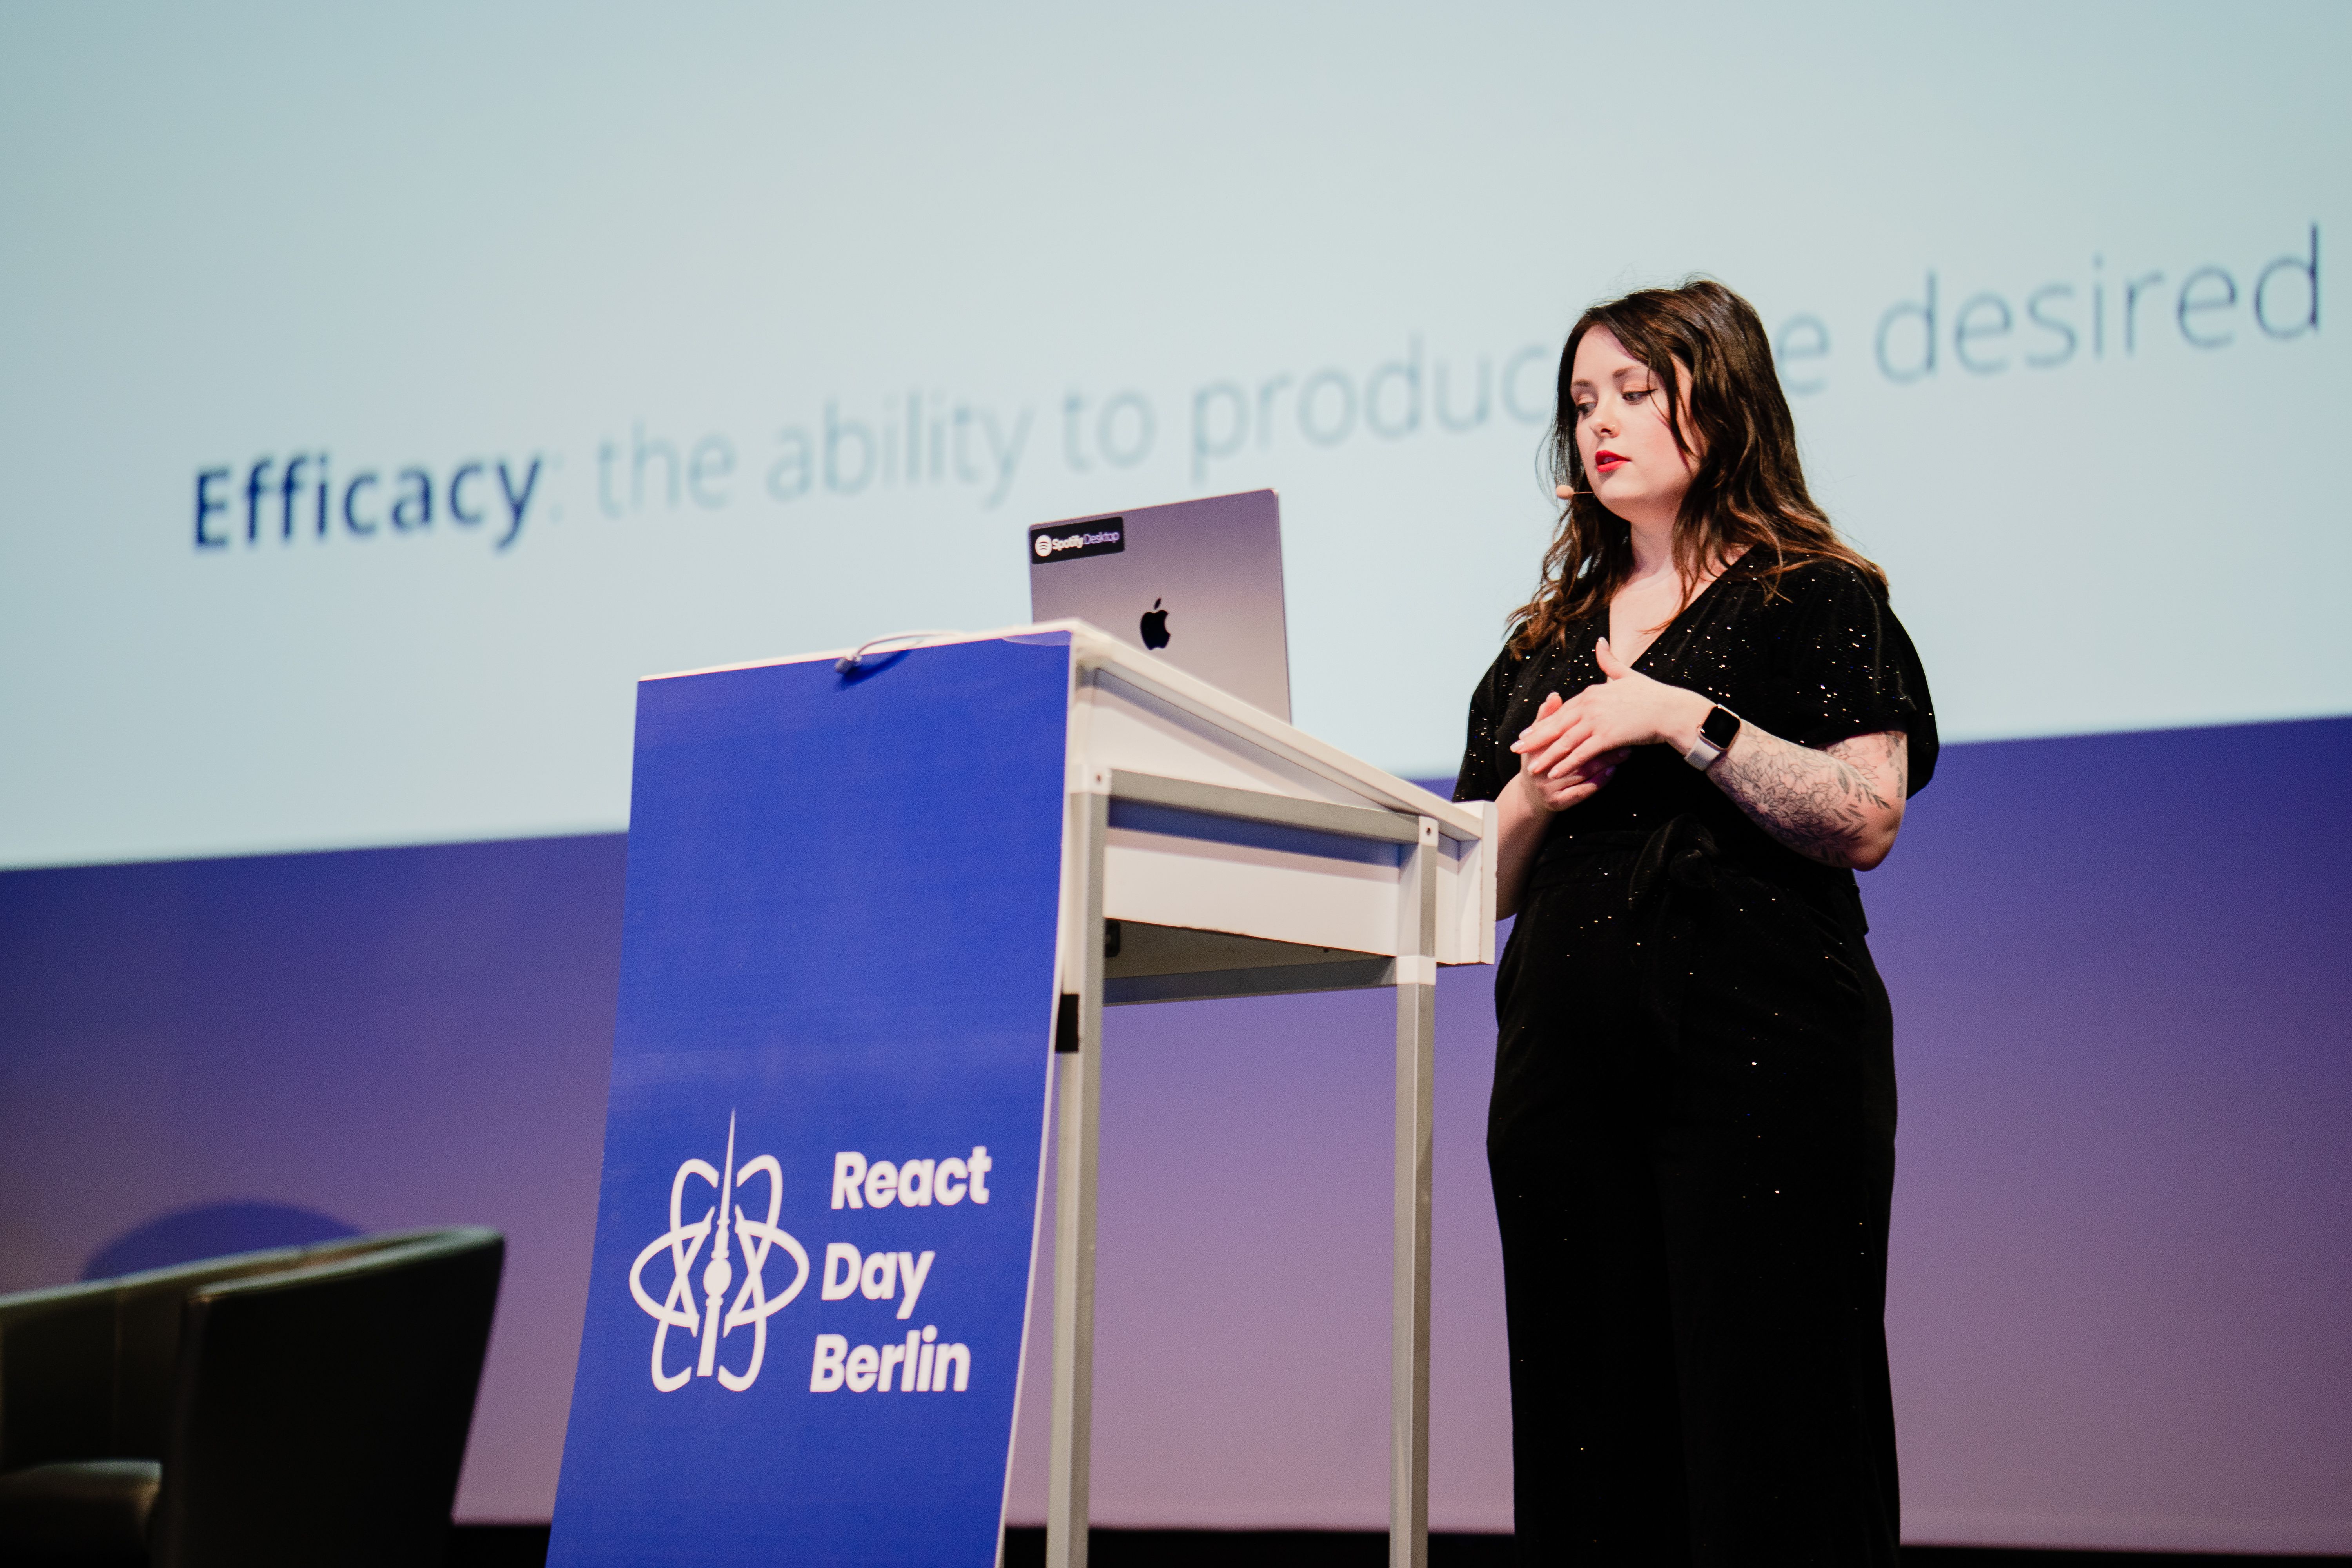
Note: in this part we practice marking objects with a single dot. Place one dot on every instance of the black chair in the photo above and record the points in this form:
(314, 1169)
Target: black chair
(301, 1407)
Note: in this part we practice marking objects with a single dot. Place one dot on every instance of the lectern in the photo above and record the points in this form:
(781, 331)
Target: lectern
(866, 909)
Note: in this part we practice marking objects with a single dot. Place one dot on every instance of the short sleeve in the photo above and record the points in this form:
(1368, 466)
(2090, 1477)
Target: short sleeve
(1478, 778)
(1847, 667)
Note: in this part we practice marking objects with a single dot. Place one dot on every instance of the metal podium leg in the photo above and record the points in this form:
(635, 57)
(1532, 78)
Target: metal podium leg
(1079, 1096)
(1416, 1064)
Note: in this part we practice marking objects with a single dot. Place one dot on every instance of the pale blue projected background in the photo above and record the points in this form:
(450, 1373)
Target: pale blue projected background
(698, 264)
(606, 341)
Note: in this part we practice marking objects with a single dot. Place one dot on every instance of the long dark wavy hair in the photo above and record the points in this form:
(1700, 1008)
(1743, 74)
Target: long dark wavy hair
(1748, 491)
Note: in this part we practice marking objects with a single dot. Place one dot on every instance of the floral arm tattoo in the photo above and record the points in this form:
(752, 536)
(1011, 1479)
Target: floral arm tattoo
(1822, 805)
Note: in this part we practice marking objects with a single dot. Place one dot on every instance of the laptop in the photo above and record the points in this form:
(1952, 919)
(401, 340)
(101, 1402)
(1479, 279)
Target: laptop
(1197, 583)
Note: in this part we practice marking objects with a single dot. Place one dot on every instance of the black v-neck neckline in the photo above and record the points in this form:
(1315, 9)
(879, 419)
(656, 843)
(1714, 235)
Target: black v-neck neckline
(1667, 630)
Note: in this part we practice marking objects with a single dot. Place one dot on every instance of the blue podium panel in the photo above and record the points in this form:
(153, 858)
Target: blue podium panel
(830, 1073)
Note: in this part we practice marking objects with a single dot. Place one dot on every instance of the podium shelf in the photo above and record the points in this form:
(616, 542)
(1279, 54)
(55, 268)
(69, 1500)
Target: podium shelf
(1146, 963)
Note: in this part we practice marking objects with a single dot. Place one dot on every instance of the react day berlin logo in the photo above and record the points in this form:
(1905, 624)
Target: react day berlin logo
(752, 1305)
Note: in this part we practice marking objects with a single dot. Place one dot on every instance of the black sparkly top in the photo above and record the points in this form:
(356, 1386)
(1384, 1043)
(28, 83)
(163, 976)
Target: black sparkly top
(1820, 662)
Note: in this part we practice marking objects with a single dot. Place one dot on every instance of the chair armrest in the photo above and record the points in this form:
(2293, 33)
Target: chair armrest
(57, 1376)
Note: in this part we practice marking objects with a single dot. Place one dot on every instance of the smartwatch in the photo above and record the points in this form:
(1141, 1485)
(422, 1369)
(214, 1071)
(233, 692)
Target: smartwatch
(1715, 738)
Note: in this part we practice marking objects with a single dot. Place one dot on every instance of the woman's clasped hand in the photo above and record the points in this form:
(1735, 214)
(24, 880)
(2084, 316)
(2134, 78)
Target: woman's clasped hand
(1575, 746)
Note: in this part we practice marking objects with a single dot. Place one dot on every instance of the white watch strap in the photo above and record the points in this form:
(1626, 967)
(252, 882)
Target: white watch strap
(1702, 755)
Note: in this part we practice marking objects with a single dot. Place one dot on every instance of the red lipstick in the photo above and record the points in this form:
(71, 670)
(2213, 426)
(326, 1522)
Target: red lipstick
(1606, 461)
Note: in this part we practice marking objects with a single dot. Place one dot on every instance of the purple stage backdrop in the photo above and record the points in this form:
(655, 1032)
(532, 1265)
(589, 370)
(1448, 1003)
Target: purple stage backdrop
(2121, 1308)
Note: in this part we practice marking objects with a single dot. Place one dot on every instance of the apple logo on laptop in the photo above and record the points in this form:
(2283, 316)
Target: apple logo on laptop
(1155, 628)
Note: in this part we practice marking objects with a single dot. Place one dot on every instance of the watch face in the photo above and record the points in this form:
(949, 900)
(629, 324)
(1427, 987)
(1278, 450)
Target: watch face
(1721, 725)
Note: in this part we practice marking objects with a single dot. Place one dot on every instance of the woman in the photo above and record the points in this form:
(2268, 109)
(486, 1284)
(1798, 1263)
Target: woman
(1705, 721)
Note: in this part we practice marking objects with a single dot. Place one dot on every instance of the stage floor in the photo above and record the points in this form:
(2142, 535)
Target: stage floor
(525, 1546)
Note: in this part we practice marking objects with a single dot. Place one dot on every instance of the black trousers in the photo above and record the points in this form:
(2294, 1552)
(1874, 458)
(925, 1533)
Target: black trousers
(1692, 1140)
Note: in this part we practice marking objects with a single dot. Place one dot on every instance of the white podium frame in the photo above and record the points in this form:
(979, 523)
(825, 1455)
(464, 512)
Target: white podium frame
(1303, 869)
